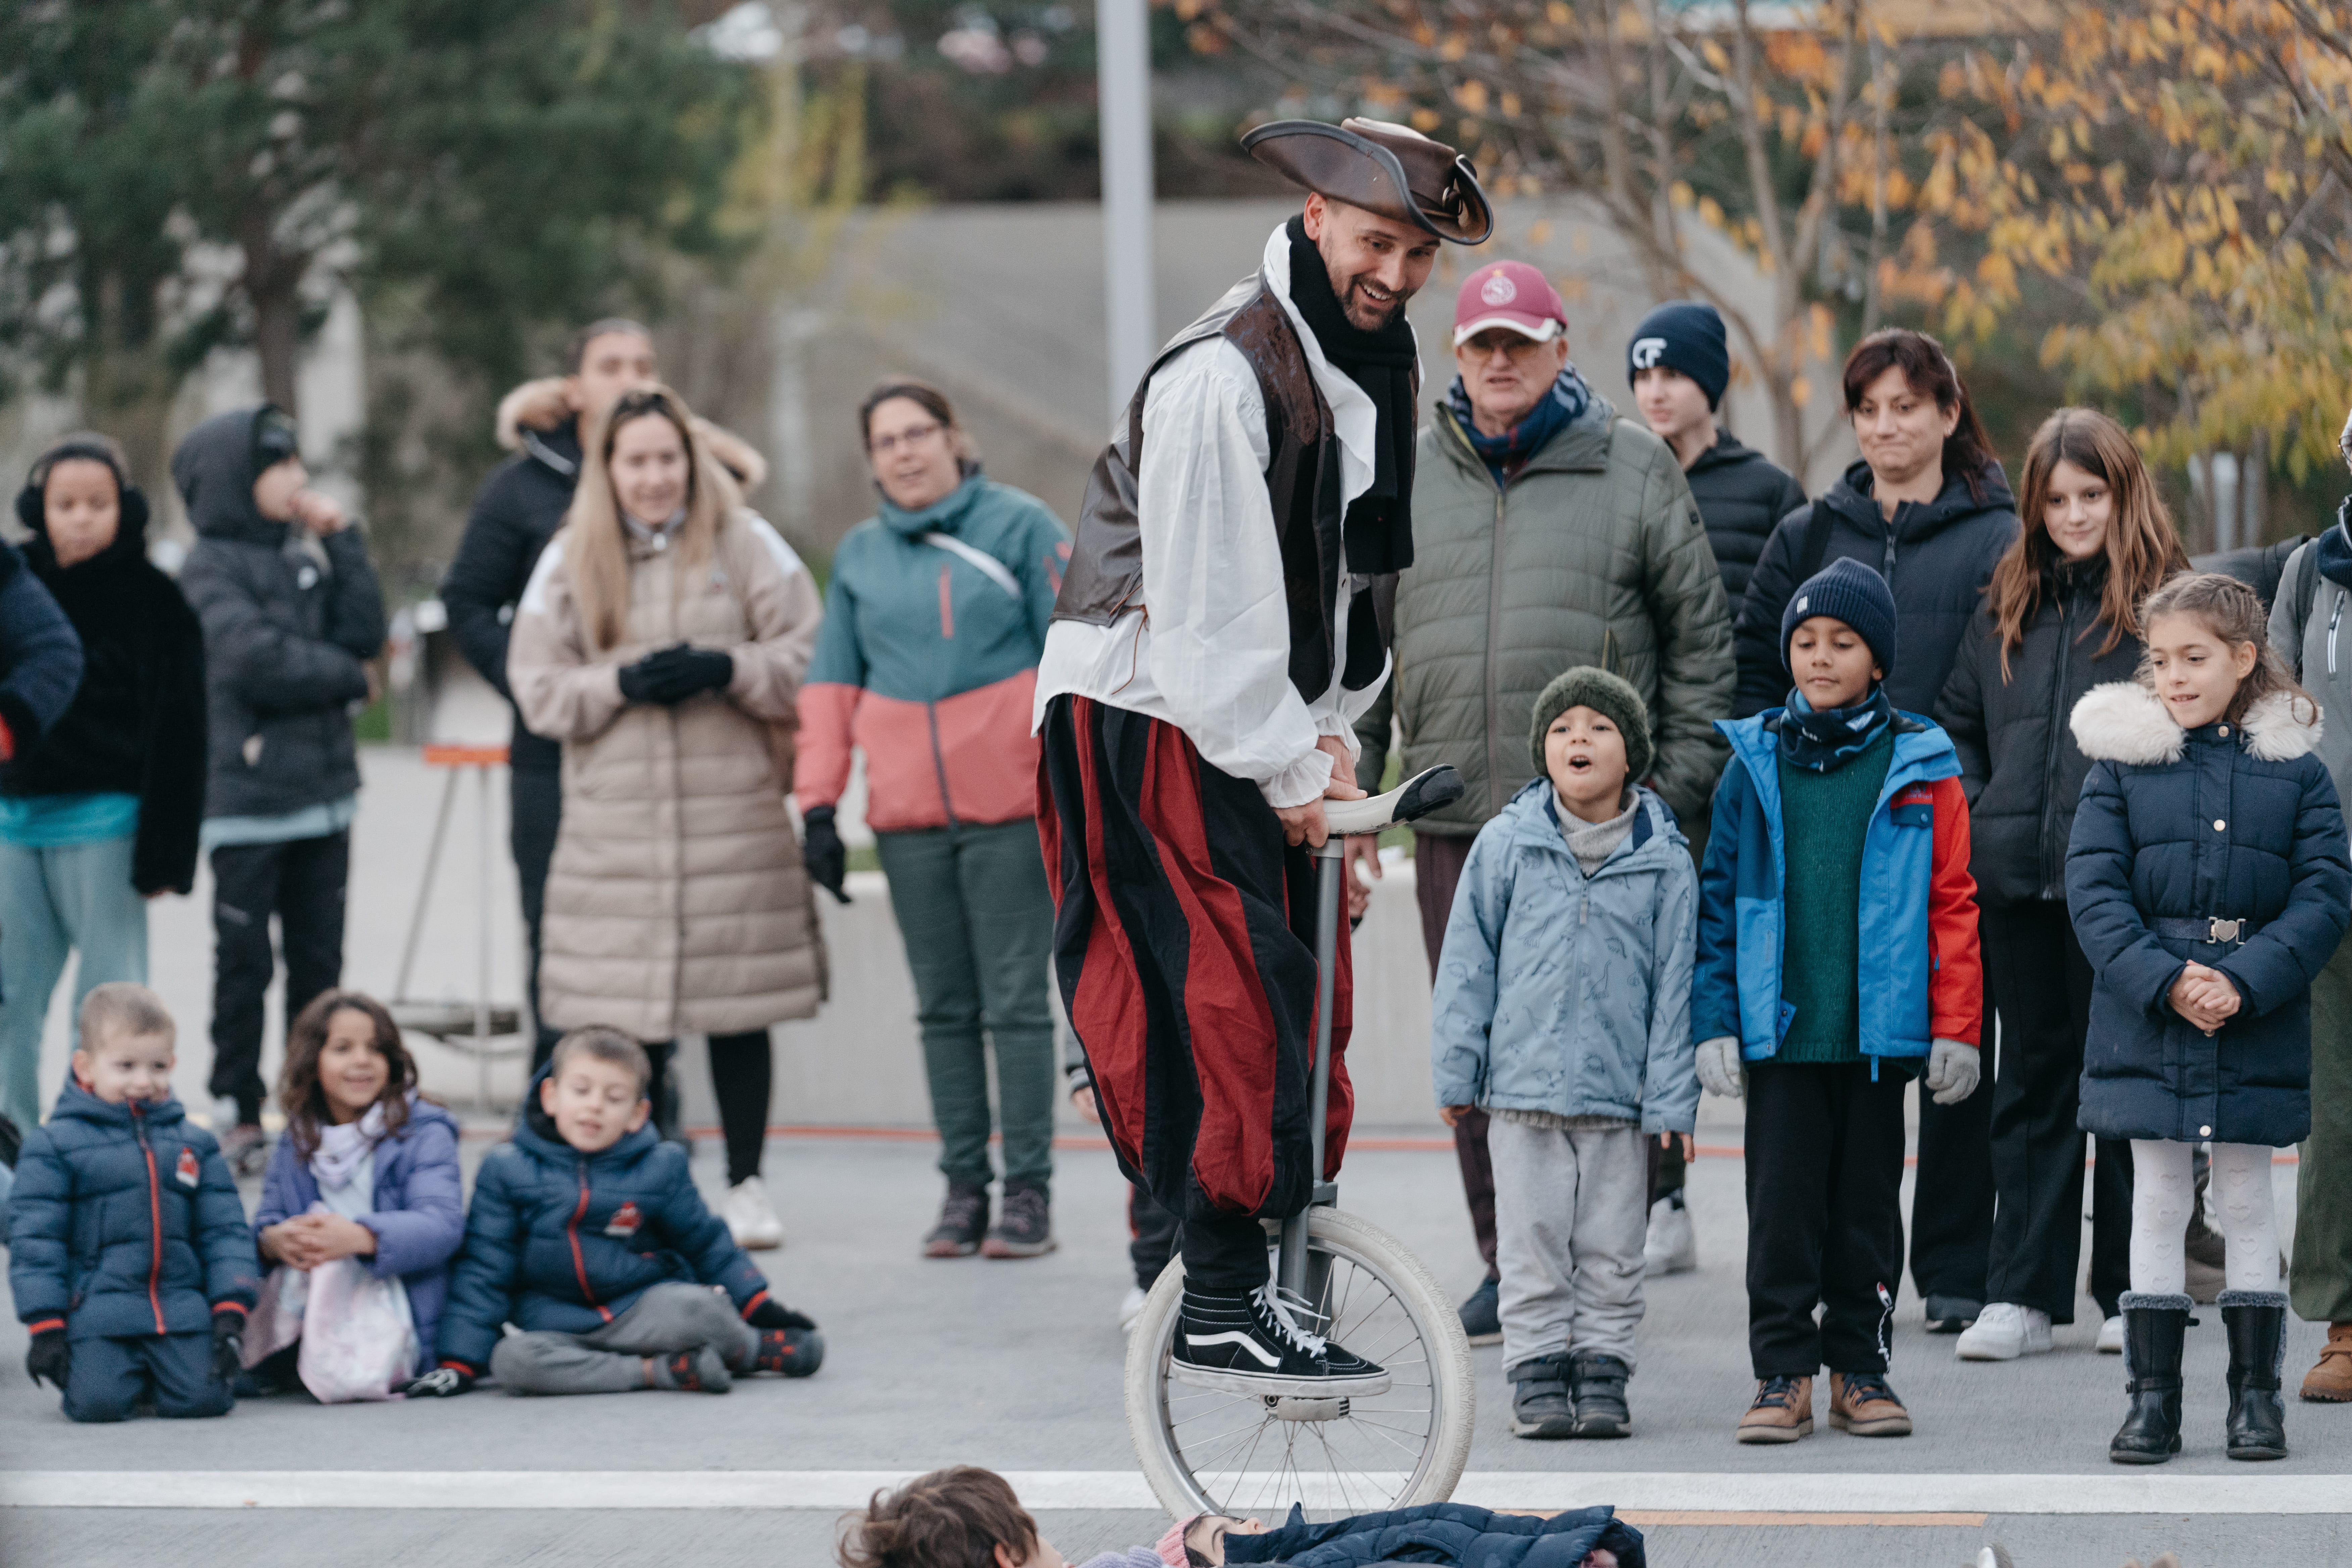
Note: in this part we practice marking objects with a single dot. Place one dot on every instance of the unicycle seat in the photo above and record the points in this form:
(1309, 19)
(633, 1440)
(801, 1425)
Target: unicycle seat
(1416, 797)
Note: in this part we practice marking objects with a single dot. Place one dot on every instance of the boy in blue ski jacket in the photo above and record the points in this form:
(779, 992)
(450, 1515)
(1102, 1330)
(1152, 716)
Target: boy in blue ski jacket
(587, 1233)
(128, 1258)
(1840, 843)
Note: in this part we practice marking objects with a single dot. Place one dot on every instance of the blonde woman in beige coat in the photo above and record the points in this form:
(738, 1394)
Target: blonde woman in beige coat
(662, 639)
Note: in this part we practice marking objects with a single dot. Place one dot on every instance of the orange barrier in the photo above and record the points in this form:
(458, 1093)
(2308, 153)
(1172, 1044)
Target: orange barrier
(465, 756)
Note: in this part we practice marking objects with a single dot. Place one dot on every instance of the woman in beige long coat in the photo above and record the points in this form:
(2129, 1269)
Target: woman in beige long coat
(662, 639)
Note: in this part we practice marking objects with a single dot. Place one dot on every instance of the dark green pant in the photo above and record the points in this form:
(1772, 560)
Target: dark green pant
(979, 927)
(2320, 1283)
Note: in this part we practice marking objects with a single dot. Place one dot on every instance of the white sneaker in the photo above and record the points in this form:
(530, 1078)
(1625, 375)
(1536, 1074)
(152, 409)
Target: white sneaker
(1671, 1247)
(2110, 1336)
(2004, 1331)
(751, 1217)
(1130, 1307)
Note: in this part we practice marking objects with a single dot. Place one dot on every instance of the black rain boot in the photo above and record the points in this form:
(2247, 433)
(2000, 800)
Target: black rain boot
(2154, 1328)
(1597, 1381)
(2255, 1321)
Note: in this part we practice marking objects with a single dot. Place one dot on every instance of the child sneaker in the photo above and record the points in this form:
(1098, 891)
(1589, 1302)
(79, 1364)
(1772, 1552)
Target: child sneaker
(2110, 1336)
(963, 1220)
(701, 1371)
(1781, 1412)
(1024, 1225)
(1862, 1403)
(2004, 1331)
(1247, 1342)
(1482, 1314)
(751, 1217)
(1542, 1403)
(1598, 1382)
(789, 1352)
(1671, 1247)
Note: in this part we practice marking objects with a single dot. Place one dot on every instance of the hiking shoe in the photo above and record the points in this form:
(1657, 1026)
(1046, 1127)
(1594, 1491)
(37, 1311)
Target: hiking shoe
(789, 1352)
(2005, 1332)
(1542, 1405)
(245, 1147)
(1249, 1342)
(751, 1217)
(963, 1220)
(2110, 1336)
(1781, 1412)
(702, 1370)
(1950, 1315)
(2329, 1382)
(1671, 1247)
(1482, 1315)
(1598, 1382)
(1862, 1403)
(1024, 1225)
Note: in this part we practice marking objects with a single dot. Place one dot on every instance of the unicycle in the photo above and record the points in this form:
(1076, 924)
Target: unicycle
(1208, 1450)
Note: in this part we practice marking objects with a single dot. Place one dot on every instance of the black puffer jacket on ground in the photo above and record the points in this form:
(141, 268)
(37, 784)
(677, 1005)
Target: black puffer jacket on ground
(1742, 495)
(289, 620)
(1936, 558)
(137, 723)
(2019, 766)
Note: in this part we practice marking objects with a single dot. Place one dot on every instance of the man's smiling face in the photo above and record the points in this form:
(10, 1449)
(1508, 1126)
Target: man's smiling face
(1376, 263)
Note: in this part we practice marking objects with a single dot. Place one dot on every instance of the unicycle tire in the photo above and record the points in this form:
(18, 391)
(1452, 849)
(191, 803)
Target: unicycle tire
(1207, 1451)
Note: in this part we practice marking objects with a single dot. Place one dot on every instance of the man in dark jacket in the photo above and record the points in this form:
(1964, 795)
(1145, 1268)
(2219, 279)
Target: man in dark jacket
(291, 612)
(516, 512)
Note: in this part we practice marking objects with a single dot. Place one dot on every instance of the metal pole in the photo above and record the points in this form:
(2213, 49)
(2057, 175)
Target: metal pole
(1329, 868)
(482, 940)
(1123, 83)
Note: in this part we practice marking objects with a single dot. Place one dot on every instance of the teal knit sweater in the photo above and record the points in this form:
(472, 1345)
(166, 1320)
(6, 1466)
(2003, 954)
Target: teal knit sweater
(1823, 817)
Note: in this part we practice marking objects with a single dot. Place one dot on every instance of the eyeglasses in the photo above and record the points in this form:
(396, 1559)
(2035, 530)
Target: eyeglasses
(912, 436)
(1510, 345)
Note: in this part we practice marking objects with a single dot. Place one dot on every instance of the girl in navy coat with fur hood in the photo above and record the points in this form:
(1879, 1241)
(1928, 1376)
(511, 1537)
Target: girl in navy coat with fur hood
(2208, 883)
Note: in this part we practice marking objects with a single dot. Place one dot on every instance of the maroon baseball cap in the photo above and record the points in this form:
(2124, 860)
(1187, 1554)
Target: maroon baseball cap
(1509, 294)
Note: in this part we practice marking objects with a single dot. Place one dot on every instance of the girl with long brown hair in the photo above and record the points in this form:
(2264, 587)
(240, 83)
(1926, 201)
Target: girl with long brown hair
(2060, 615)
(662, 639)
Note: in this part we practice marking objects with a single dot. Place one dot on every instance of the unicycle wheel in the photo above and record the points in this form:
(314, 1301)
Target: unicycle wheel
(1210, 1451)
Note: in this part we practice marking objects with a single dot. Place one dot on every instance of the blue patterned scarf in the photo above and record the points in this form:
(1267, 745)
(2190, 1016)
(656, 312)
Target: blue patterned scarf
(1821, 739)
(1503, 455)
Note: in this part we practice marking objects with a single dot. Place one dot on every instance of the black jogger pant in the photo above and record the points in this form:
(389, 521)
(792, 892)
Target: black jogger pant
(743, 1075)
(1151, 1236)
(2040, 985)
(1824, 1216)
(535, 810)
(1951, 1201)
(301, 882)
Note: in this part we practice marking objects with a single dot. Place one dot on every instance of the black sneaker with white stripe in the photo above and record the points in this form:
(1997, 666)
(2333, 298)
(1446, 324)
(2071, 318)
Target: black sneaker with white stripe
(1250, 1341)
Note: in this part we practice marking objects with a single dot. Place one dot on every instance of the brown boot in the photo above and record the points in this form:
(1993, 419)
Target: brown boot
(1782, 1412)
(1862, 1403)
(2330, 1381)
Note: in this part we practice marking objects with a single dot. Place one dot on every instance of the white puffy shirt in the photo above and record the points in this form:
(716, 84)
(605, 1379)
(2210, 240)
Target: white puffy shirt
(1205, 645)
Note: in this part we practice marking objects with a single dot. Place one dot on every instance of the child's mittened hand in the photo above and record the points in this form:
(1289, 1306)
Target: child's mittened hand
(774, 1314)
(441, 1382)
(50, 1358)
(228, 1344)
(1953, 1070)
(1719, 1067)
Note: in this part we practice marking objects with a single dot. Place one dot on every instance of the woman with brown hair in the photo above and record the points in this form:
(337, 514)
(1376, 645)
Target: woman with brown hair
(662, 640)
(2060, 615)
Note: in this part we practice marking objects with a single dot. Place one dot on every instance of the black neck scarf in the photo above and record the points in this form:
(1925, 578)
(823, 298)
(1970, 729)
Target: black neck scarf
(1379, 523)
(1819, 739)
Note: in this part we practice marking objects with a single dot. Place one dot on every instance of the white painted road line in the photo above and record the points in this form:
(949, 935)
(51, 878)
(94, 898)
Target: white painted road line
(1748, 1491)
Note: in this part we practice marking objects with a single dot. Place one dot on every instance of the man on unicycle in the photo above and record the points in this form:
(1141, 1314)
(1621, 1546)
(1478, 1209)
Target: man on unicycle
(1224, 620)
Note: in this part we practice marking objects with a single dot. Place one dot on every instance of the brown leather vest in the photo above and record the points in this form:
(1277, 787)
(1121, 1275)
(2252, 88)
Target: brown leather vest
(1302, 481)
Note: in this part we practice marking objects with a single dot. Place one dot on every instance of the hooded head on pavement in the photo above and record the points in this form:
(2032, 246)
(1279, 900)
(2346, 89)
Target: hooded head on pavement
(1510, 342)
(608, 358)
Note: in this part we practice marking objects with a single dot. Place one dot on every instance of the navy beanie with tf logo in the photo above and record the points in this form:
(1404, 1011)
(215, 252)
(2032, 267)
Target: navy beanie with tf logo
(1685, 336)
(1845, 590)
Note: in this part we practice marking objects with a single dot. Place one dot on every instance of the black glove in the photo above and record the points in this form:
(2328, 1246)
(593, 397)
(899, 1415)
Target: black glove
(48, 1358)
(675, 673)
(444, 1382)
(638, 680)
(228, 1344)
(772, 1313)
(821, 851)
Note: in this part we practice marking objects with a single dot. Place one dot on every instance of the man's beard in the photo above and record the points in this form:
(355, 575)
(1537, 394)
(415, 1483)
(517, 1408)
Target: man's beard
(1362, 312)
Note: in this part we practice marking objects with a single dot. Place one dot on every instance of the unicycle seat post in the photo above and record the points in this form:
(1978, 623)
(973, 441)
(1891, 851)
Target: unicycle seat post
(1331, 871)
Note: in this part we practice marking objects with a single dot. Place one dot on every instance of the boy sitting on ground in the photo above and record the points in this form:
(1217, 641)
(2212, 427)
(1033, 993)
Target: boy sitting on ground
(586, 1233)
(129, 1255)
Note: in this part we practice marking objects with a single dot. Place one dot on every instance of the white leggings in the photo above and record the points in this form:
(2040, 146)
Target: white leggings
(2163, 1188)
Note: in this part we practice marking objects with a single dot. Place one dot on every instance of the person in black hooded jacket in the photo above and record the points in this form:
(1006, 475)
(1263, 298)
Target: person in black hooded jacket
(1928, 509)
(100, 813)
(291, 613)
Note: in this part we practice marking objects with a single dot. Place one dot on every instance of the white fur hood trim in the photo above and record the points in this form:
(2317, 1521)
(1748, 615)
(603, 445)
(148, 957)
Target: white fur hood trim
(2124, 721)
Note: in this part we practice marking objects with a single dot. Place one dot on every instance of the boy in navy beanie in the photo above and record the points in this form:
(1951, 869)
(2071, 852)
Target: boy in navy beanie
(1685, 336)
(1870, 867)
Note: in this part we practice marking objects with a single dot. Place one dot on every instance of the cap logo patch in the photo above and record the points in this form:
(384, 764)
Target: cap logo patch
(1649, 352)
(184, 1172)
(1499, 289)
(624, 1221)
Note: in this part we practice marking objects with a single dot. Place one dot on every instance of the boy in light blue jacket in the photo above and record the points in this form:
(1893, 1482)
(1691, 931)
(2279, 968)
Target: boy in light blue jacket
(1562, 1007)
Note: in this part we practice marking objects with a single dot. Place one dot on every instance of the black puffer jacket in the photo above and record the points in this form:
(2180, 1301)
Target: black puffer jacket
(1742, 495)
(2019, 766)
(1935, 557)
(289, 621)
(137, 723)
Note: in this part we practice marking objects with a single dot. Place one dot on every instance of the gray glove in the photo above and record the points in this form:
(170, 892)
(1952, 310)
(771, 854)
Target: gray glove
(1953, 1070)
(1719, 1067)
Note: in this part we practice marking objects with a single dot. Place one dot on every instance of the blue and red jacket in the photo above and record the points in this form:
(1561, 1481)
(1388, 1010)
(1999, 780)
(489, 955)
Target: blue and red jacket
(558, 1239)
(1922, 978)
(928, 660)
(125, 1224)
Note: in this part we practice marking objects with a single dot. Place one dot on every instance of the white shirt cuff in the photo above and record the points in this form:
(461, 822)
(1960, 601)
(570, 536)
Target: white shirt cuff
(1301, 781)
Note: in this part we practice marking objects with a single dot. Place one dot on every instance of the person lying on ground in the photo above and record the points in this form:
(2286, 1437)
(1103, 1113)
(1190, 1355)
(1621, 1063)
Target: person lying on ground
(586, 1233)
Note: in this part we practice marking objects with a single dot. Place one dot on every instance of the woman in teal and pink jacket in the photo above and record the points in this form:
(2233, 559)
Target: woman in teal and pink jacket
(933, 625)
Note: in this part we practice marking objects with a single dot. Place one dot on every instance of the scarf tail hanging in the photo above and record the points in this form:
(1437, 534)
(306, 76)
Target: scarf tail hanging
(1386, 364)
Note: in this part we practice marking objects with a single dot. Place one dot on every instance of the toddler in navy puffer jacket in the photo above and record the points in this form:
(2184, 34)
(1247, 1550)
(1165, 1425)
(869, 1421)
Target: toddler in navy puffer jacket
(129, 1255)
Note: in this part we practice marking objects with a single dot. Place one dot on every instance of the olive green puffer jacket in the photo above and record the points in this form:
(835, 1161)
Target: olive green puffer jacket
(1593, 554)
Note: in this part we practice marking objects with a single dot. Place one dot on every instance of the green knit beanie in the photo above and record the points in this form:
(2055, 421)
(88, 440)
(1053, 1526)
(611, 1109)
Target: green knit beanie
(1589, 686)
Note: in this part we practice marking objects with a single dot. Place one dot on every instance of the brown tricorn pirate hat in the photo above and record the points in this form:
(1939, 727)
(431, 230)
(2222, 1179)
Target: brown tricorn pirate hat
(1391, 169)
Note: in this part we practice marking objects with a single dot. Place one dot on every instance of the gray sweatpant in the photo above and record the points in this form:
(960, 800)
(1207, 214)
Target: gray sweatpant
(663, 1321)
(1571, 1211)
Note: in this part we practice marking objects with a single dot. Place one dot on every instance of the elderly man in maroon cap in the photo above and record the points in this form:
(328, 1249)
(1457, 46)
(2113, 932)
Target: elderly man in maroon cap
(1223, 622)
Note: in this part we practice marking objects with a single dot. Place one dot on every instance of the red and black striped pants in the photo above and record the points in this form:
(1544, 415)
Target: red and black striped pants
(1184, 941)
